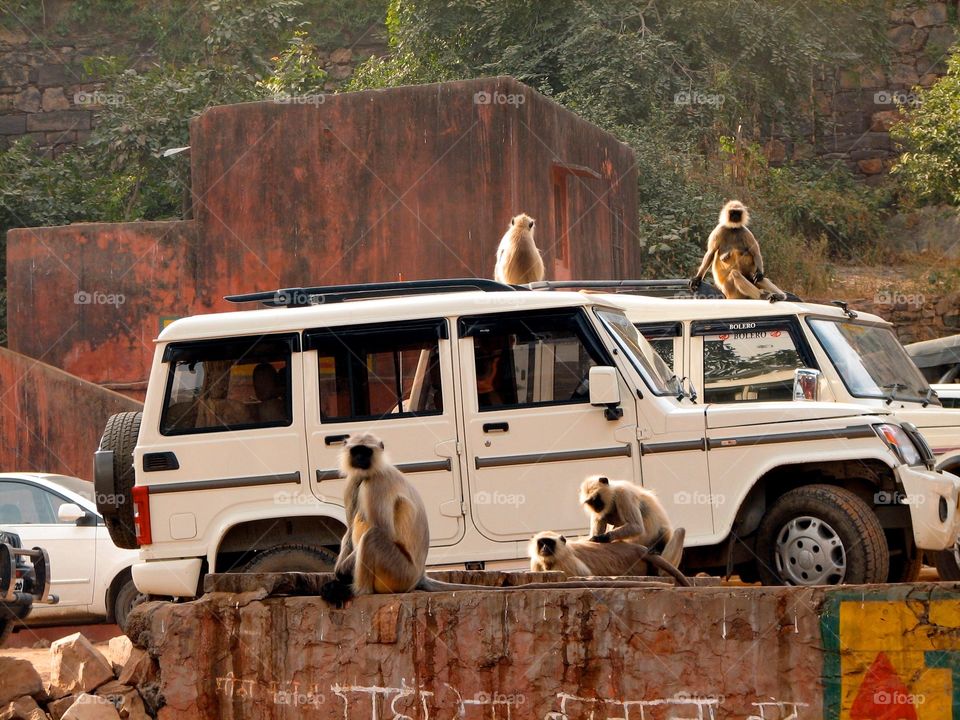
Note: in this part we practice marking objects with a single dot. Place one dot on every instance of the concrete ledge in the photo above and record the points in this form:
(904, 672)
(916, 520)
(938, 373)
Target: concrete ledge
(651, 654)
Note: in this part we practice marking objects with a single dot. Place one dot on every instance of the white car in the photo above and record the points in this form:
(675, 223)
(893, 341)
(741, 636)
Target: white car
(497, 402)
(58, 513)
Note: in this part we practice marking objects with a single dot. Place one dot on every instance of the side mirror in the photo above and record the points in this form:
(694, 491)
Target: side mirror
(806, 384)
(70, 513)
(605, 391)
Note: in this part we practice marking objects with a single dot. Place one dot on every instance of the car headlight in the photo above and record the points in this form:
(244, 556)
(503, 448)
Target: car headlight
(901, 444)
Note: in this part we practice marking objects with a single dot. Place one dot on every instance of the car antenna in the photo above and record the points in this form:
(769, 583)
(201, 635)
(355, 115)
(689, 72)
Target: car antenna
(845, 307)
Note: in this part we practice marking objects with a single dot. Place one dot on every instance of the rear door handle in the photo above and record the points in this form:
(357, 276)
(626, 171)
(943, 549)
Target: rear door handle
(496, 427)
(335, 439)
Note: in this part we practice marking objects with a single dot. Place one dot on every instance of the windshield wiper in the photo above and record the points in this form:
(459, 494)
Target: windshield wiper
(930, 396)
(680, 393)
(893, 387)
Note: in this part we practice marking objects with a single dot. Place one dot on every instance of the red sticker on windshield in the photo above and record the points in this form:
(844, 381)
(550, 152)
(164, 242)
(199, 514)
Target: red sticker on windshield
(723, 337)
(776, 333)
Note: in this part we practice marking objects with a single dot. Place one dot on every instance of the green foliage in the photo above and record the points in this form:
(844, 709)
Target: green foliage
(810, 201)
(668, 78)
(930, 167)
(296, 70)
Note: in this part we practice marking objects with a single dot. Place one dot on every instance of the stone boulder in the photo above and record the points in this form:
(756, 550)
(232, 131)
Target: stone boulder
(76, 666)
(23, 708)
(17, 678)
(91, 707)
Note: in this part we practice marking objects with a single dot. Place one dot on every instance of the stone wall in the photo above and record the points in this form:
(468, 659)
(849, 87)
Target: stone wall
(858, 105)
(709, 653)
(48, 95)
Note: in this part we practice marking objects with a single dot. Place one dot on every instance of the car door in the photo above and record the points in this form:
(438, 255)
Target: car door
(531, 434)
(396, 381)
(30, 510)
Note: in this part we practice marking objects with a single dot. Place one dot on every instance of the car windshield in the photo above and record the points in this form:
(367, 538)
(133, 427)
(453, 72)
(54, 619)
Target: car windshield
(648, 362)
(871, 361)
(83, 488)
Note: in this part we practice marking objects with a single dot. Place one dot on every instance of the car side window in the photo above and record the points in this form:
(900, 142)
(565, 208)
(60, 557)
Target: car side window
(750, 365)
(233, 384)
(662, 336)
(379, 371)
(524, 360)
(24, 504)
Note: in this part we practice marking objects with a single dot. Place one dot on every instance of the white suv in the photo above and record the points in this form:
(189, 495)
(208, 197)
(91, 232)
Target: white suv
(496, 401)
(744, 353)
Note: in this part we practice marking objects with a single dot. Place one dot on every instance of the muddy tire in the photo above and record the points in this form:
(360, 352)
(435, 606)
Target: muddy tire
(948, 562)
(124, 601)
(120, 436)
(292, 558)
(821, 535)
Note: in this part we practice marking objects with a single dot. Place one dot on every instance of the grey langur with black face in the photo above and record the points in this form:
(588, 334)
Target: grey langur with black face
(734, 253)
(384, 548)
(635, 514)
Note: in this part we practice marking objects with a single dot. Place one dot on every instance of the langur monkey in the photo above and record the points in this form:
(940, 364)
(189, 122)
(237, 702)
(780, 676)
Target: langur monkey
(581, 558)
(735, 255)
(518, 259)
(384, 549)
(635, 513)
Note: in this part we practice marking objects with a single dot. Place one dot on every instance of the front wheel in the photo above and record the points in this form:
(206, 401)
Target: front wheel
(124, 602)
(948, 562)
(821, 535)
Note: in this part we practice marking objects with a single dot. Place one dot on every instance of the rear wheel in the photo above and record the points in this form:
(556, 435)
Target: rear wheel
(120, 436)
(292, 558)
(821, 535)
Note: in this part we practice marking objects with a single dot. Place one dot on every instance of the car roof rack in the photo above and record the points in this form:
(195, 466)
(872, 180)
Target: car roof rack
(324, 294)
(670, 288)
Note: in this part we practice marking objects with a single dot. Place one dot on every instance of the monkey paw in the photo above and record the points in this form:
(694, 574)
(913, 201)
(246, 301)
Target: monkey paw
(776, 297)
(336, 593)
(604, 538)
(694, 284)
(757, 277)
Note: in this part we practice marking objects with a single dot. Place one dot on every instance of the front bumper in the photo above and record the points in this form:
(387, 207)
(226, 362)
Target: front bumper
(174, 578)
(925, 489)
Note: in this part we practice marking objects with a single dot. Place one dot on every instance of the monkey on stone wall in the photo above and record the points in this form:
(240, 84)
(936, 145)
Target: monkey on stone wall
(384, 549)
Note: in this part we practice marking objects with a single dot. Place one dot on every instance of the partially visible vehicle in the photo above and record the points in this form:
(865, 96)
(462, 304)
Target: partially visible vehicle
(949, 394)
(938, 359)
(21, 583)
(58, 513)
(744, 353)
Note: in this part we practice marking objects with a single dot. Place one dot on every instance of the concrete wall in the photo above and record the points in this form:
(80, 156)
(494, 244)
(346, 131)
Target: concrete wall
(407, 183)
(51, 421)
(706, 653)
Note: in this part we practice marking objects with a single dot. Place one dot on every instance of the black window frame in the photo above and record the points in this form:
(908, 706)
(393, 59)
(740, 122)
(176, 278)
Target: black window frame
(183, 350)
(701, 328)
(318, 339)
(473, 325)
